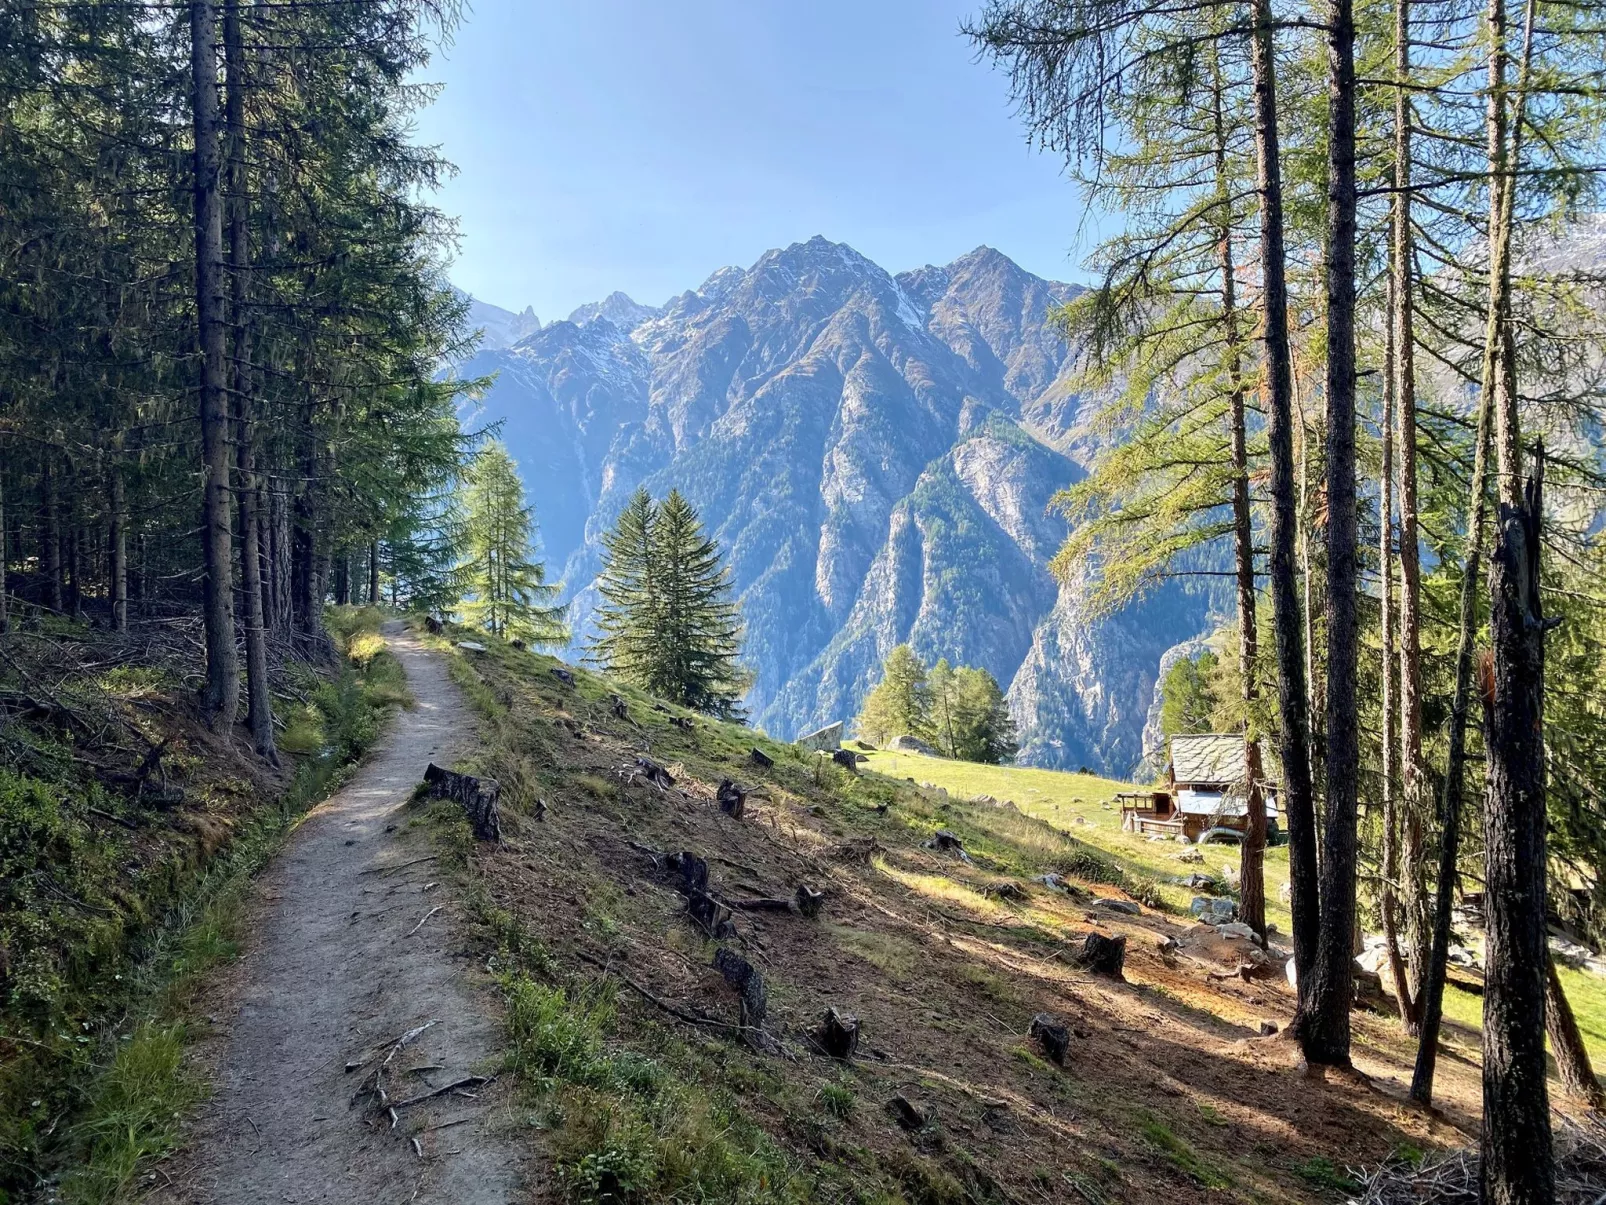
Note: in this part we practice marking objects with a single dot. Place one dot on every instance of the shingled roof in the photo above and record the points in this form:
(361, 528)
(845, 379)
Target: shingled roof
(1208, 757)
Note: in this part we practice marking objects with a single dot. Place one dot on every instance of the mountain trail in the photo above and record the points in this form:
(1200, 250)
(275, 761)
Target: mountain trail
(354, 945)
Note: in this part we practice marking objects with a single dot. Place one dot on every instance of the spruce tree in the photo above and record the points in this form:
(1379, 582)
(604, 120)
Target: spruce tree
(629, 615)
(701, 630)
(667, 621)
(508, 594)
(984, 731)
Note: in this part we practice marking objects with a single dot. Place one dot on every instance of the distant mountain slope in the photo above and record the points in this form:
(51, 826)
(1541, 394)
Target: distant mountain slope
(875, 452)
(500, 328)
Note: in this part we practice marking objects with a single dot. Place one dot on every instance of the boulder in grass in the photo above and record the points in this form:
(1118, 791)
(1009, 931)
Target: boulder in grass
(911, 744)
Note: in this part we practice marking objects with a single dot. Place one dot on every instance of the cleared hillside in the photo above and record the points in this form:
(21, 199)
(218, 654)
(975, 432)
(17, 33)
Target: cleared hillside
(638, 1085)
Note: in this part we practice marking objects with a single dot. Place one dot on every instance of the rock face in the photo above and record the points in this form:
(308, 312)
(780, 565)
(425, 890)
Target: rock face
(875, 453)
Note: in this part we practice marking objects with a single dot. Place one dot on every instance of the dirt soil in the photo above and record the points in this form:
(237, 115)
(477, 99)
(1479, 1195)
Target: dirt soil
(355, 945)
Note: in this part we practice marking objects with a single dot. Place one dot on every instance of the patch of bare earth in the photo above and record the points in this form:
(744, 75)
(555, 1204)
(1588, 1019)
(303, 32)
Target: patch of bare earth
(356, 946)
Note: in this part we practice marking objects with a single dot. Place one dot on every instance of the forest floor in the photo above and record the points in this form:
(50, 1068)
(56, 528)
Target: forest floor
(353, 947)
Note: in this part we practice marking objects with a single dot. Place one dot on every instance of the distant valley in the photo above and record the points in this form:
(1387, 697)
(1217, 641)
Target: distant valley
(875, 452)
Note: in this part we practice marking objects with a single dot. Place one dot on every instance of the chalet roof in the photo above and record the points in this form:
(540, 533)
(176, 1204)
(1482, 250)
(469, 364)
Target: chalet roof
(1209, 757)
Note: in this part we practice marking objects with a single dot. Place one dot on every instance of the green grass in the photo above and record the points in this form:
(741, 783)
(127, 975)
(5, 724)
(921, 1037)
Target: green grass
(1178, 1153)
(1061, 799)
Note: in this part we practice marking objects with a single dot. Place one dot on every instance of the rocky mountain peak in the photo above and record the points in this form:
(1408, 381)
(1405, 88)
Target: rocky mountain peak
(875, 453)
(618, 308)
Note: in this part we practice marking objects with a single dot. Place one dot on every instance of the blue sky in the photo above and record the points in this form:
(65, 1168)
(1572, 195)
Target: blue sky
(640, 144)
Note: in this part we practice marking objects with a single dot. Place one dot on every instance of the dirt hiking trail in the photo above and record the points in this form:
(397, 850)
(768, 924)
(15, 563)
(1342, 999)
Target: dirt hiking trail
(337, 969)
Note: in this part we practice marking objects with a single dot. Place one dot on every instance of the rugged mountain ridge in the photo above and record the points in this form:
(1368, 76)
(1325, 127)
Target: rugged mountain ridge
(875, 452)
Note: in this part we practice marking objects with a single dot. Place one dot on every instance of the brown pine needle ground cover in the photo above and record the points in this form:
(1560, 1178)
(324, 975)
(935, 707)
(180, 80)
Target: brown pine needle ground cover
(1168, 1092)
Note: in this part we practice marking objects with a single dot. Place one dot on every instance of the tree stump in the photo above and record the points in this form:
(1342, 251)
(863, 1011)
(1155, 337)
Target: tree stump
(732, 799)
(564, 676)
(432, 625)
(478, 796)
(654, 773)
(683, 722)
(847, 759)
(838, 1035)
(1052, 1036)
(809, 901)
(1103, 955)
(749, 985)
(760, 759)
(910, 1116)
(620, 710)
(518, 645)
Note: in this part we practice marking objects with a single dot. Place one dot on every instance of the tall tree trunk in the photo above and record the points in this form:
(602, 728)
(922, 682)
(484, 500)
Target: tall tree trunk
(75, 566)
(1294, 735)
(1323, 1023)
(259, 695)
(119, 550)
(222, 666)
(1567, 1044)
(1497, 377)
(1413, 801)
(343, 579)
(1517, 1164)
(50, 536)
(1388, 895)
(373, 573)
(5, 559)
(281, 556)
(1252, 856)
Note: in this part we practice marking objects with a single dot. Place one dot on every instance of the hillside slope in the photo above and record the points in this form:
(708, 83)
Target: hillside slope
(640, 1085)
(875, 453)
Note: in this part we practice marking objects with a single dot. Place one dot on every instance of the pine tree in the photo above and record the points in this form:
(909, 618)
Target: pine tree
(508, 594)
(667, 621)
(900, 704)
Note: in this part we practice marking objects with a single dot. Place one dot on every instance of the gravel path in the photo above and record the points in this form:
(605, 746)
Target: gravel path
(337, 970)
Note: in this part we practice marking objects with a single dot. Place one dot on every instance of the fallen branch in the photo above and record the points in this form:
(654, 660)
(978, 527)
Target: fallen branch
(427, 915)
(392, 866)
(468, 1081)
(672, 1010)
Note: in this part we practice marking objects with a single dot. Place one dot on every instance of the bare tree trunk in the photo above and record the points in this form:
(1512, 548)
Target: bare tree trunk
(1517, 1161)
(1413, 802)
(50, 537)
(1431, 1002)
(1567, 1044)
(75, 568)
(119, 548)
(1294, 734)
(1388, 900)
(259, 695)
(1323, 1022)
(373, 573)
(222, 665)
(1498, 376)
(281, 556)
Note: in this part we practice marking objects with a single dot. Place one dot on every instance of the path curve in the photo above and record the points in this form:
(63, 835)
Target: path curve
(334, 974)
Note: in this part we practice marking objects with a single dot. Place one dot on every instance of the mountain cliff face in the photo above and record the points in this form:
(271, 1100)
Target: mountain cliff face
(875, 453)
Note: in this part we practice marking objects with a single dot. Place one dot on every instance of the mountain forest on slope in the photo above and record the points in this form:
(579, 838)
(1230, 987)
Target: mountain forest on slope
(300, 816)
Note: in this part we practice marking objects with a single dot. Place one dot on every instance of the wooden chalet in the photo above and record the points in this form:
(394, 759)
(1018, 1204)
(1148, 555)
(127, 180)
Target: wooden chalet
(1205, 788)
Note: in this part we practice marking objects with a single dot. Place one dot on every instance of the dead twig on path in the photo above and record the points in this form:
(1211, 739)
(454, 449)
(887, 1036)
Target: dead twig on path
(468, 1081)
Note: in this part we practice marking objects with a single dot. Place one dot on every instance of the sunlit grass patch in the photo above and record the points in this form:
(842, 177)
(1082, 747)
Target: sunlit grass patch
(942, 888)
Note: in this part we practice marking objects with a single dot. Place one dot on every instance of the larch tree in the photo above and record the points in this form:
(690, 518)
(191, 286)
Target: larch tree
(505, 580)
(900, 703)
